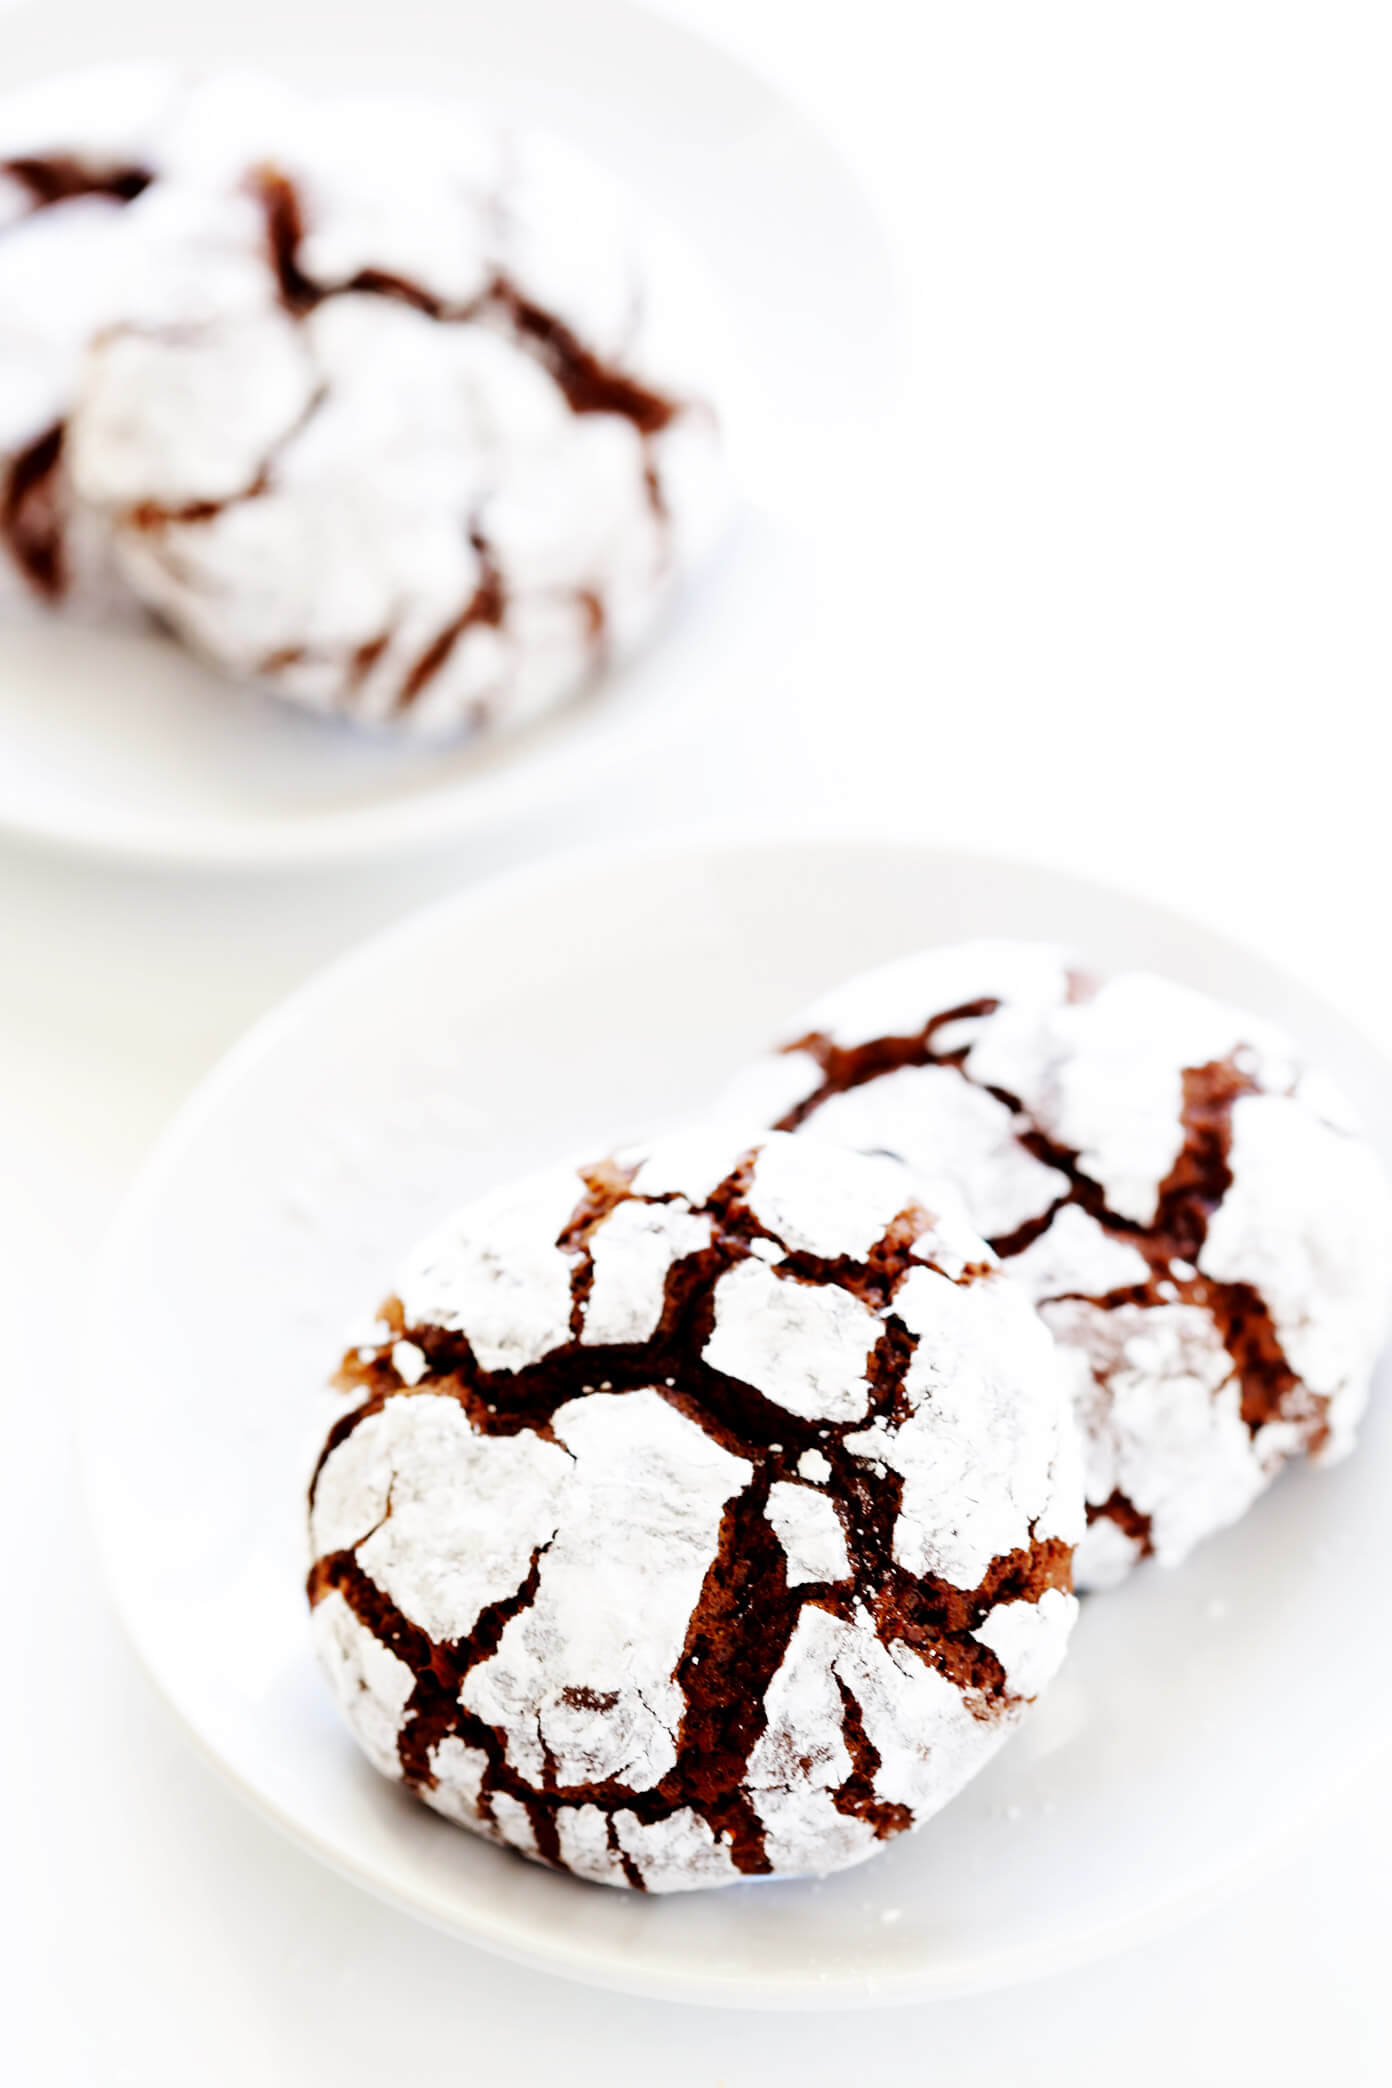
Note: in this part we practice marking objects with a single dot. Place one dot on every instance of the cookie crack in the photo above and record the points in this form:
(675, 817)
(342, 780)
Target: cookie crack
(31, 520)
(53, 178)
(587, 381)
(485, 609)
(855, 1796)
(152, 516)
(1120, 1509)
(1197, 1182)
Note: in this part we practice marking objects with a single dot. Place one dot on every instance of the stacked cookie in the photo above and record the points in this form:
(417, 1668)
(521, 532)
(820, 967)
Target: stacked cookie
(370, 404)
(713, 1511)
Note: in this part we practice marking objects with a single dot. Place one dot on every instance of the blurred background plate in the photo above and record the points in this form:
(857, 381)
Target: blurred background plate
(1201, 1714)
(118, 743)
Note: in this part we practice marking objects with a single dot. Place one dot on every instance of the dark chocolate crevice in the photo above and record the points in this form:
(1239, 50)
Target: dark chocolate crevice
(434, 1703)
(938, 1619)
(736, 1641)
(845, 1067)
(726, 1668)
(606, 1187)
(856, 1795)
(1118, 1508)
(280, 205)
(671, 1360)
(61, 177)
(1201, 1176)
(361, 660)
(486, 608)
(587, 381)
(1271, 1391)
(632, 1875)
(31, 513)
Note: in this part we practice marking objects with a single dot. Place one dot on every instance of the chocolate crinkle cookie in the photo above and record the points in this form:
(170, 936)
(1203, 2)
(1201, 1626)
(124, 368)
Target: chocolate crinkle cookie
(704, 1514)
(1193, 1211)
(390, 412)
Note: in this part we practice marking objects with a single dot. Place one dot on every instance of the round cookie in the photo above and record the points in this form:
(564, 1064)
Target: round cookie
(1193, 1212)
(399, 422)
(704, 1514)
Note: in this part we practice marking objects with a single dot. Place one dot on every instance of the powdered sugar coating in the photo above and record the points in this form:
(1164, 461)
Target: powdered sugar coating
(939, 1127)
(979, 1471)
(371, 1684)
(1075, 1253)
(821, 1207)
(632, 1252)
(807, 1348)
(654, 1604)
(1103, 1077)
(918, 1723)
(496, 1275)
(1298, 1251)
(809, 1530)
(572, 1697)
(370, 401)
(889, 1002)
(1192, 1211)
(87, 161)
(71, 153)
(399, 420)
(1023, 1635)
(387, 1491)
(1161, 1415)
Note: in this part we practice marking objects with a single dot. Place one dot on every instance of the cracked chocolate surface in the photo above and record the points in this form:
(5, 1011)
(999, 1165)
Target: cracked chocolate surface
(495, 491)
(589, 382)
(392, 414)
(1201, 1231)
(705, 1514)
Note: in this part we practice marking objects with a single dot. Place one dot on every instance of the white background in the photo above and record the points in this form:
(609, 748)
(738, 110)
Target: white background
(1118, 600)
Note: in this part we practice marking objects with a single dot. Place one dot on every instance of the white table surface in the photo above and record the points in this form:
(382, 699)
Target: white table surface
(1135, 622)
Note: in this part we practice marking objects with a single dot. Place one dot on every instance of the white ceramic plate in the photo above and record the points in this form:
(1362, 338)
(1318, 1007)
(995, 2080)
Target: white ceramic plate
(121, 744)
(584, 1000)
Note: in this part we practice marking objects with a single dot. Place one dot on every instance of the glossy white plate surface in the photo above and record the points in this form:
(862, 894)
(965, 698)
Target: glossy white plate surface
(1201, 1713)
(119, 743)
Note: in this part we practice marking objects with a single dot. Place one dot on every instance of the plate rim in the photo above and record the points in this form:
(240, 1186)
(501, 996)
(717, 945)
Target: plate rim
(1260, 1850)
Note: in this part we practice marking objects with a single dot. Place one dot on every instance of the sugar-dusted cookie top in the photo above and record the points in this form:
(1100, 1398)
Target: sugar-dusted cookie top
(1193, 1210)
(403, 418)
(705, 1514)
